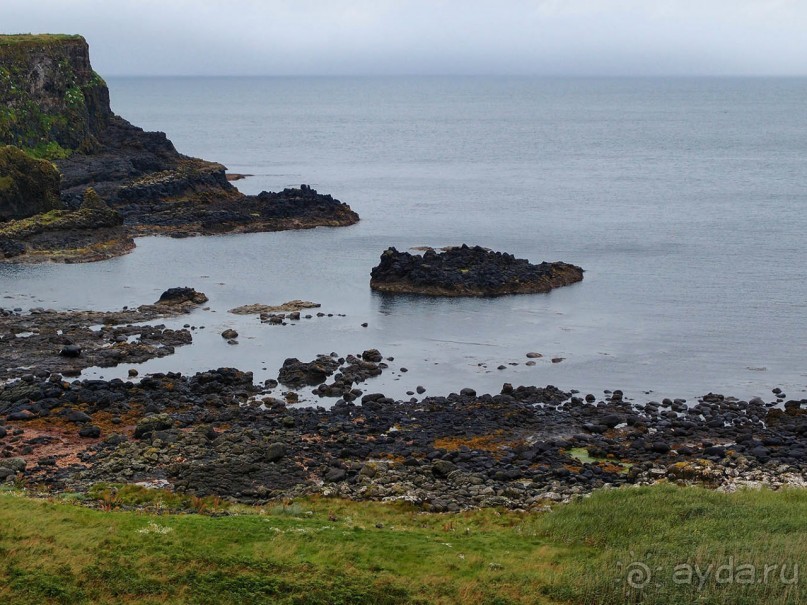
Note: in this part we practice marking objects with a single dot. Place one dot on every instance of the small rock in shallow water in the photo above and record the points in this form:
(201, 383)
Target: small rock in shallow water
(178, 296)
(70, 351)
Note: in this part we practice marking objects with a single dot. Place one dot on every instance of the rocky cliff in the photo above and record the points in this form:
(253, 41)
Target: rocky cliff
(51, 101)
(54, 106)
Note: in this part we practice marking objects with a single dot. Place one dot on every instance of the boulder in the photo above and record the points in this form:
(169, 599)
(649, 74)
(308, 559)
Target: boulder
(70, 351)
(179, 296)
(275, 452)
(16, 465)
(90, 432)
(333, 474)
(296, 373)
(150, 424)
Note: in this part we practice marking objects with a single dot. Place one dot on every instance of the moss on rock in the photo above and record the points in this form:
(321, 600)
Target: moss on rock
(28, 186)
(92, 200)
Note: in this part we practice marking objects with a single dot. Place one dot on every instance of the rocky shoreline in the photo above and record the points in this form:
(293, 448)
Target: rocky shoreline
(467, 271)
(219, 433)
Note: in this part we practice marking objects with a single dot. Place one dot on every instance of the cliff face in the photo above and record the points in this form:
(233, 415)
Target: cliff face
(51, 101)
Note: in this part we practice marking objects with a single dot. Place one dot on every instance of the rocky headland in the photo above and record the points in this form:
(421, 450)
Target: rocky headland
(53, 106)
(467, 271)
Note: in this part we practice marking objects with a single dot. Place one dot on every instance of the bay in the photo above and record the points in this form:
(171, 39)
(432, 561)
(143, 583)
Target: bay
(683, 199)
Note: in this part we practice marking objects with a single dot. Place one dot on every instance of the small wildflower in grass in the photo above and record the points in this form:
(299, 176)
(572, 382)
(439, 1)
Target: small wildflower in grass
(153, 528)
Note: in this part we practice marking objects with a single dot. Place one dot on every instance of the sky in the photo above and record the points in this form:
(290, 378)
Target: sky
(369, 37)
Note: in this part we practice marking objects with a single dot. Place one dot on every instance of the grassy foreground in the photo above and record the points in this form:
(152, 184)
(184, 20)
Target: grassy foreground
(662, 544)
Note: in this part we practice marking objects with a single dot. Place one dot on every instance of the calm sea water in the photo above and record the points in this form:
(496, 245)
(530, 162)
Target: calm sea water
(684, 199)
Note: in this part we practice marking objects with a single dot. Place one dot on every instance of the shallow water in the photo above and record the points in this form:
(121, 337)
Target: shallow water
(683, 199)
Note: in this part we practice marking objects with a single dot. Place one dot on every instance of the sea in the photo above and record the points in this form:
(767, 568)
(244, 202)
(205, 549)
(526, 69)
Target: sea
(684, 199)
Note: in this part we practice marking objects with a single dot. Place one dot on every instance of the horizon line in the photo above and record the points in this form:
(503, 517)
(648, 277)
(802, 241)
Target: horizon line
(466, 75)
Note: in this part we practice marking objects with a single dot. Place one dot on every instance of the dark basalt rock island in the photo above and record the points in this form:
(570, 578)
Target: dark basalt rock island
(53, 106)
(468, 271)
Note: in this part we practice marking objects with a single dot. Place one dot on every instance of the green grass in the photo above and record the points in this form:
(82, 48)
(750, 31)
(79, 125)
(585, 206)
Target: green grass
(13, 39)
(334, 551)
(50, 150)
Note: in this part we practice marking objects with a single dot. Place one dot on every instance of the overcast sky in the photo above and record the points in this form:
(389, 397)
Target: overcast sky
(335, 37)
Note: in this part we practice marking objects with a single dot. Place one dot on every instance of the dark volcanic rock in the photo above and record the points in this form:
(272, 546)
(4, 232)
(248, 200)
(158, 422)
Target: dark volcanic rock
(179, 296)
(10, 247)
(467, 271)
(209, 434)
(93, 232)
(90, 432)
(150, 424)
(70, 351)
(296, 373)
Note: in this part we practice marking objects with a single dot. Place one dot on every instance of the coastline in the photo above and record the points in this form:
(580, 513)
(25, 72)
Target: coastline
(520, 448)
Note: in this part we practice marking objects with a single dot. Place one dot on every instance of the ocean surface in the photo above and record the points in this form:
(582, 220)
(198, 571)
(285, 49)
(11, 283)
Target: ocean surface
(685, 200)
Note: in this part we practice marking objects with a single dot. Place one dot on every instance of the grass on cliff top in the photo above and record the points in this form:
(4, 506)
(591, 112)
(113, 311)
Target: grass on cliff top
(333, 551)
(13, 39)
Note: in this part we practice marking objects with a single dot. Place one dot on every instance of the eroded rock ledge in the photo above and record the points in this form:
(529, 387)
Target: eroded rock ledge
(468, 271)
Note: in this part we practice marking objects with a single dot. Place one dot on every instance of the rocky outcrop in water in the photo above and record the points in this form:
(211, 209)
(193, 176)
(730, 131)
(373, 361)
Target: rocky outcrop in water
(294, 208)
(467, 271)
(53, 105)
